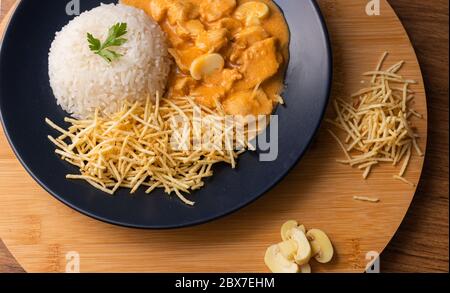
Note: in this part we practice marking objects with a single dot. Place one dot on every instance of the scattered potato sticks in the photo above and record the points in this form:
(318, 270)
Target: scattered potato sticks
(376, 122)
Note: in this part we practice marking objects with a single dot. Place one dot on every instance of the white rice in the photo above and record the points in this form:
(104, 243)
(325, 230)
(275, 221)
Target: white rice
(83, 81)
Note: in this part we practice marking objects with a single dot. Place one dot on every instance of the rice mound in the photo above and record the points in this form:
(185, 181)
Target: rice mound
(83, 81)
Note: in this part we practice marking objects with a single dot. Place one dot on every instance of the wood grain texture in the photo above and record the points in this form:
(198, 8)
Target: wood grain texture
(41, 242)
(422, 242)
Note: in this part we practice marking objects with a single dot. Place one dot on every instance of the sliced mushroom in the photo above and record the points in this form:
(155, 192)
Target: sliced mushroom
(252, 21)
(303, 254)
(277, 263)
(252, 12)
(206, 65)
(302, 227)
(287, 227)
(322, 249)
(305, 269)
(288, 249)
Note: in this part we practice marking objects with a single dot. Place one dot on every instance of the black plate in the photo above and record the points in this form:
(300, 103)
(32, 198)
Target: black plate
(26, 99)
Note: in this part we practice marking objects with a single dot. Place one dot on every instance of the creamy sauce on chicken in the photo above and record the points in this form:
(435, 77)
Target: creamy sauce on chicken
(231, 53)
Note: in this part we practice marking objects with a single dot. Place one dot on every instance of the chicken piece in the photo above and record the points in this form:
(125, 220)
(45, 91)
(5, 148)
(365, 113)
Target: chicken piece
(250, 36)
(207, 95)
(212, 10)
(190, 29)
(226, 78)
(231, 24)
(244, 39)
(181, 11)
(258, 63)
(248, 102)
(174, 39)
(213, 40)
(183, 85)
(195, 27)
(144, 5)
(185, 57)
(182, 32)
(158, 9)
(234, 52)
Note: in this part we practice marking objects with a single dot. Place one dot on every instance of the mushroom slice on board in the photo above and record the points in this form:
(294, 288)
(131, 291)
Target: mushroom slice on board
(322, 249)
(277, 263)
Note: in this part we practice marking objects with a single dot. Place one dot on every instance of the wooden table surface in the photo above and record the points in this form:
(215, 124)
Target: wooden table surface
(421, 244)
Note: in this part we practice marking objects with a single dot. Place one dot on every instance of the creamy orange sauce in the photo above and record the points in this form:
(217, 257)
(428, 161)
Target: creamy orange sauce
(255, 51)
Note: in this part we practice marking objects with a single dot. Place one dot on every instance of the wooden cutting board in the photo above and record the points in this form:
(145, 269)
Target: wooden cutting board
(39, 230)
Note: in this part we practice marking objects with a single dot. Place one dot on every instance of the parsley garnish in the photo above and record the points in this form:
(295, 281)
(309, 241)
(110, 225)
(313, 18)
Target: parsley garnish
(114, 39)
